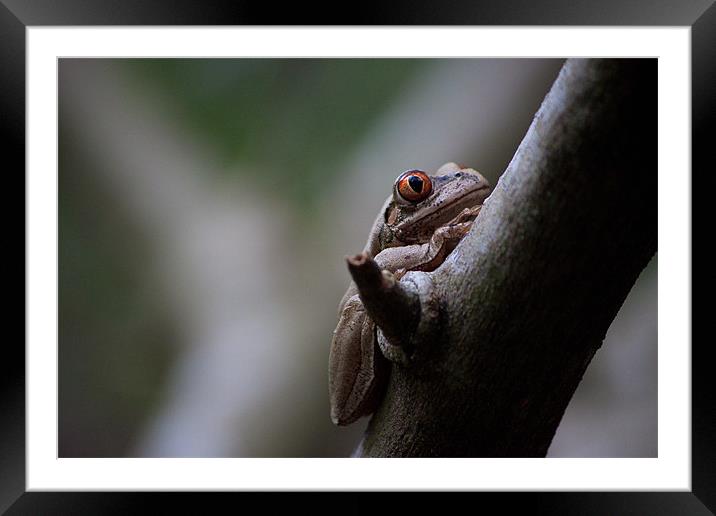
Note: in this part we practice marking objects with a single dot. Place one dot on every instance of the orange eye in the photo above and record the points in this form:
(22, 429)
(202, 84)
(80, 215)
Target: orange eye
(413, 185)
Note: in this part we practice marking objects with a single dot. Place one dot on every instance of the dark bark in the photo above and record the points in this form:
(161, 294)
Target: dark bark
(393, 308)
(527, 297)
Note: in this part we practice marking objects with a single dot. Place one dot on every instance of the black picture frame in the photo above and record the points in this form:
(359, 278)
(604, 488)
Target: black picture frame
(17, 15)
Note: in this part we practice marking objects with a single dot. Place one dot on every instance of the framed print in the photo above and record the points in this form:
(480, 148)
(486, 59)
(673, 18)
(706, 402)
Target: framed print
(192, 192)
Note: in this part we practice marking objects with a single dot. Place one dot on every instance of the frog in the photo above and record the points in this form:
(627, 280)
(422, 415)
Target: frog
(417, 228)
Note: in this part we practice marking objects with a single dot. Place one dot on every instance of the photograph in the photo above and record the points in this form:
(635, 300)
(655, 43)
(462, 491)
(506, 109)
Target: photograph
(437, 252)
(357, 257)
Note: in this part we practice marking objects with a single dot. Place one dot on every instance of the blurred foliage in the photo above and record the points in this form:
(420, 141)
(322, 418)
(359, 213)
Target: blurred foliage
(115, 343)
(291, 119)
(295, 119)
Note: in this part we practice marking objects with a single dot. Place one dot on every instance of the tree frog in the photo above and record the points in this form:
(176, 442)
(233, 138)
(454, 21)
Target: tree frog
(418, 226)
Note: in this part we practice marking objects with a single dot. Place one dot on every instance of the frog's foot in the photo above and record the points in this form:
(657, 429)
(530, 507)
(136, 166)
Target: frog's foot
(400, 273)
(466, 215)
(442, 243)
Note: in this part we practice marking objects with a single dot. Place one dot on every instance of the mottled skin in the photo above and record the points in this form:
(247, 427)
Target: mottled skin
(406, 236)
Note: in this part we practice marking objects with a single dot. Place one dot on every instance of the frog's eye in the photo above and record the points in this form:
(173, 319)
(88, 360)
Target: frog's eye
(413, 186)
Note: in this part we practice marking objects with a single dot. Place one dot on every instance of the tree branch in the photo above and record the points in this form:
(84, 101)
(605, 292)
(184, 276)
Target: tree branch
(391, 306)
(527, 297)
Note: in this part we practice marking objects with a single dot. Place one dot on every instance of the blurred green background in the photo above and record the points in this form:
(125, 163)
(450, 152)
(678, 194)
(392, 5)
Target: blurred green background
(205, 207)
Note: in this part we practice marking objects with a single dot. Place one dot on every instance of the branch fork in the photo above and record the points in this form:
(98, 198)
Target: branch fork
(403, 309)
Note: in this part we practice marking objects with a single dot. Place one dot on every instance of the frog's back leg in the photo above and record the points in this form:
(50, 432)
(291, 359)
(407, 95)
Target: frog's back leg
(357, 371)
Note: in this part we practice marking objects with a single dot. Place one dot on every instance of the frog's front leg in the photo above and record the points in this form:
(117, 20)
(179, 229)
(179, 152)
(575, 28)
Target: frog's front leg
(425, 257)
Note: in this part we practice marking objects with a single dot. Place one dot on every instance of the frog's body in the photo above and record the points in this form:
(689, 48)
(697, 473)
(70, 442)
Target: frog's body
(417, 228)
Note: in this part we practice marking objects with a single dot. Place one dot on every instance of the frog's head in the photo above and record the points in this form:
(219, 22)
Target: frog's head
(422, 203)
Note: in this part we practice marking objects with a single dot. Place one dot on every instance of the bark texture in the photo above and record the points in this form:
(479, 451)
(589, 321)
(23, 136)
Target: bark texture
(394, 309)
(527, 297)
